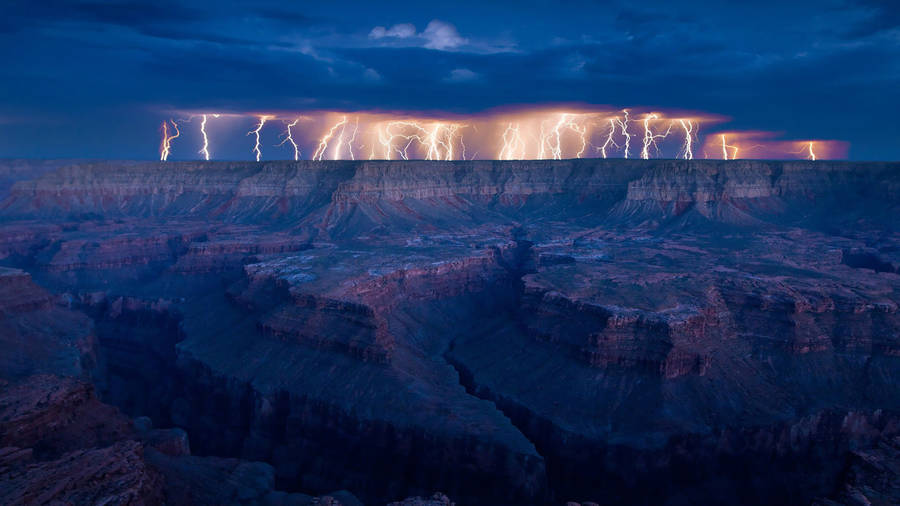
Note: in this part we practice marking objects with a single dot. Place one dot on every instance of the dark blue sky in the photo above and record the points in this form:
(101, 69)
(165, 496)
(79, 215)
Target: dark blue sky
(94, 78)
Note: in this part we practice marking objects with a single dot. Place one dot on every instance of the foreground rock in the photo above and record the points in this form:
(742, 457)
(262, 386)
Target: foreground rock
(438, 499)
(116, 474)
(873, 477)
(61, 445)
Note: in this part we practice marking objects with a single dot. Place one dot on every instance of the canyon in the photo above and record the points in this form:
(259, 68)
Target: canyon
(520, 332)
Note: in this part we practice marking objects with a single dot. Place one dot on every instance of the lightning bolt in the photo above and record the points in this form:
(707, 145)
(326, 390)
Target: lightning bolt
(582, 133)
(255, 132)
(323, 143)
(552, 141)
(353, 138)
(349, 142)
(812, 154)
(437, 142)
(440, 140)
(390, 135)
(513, 146)
(687, 151)
(288, 137)
(166, 147)
(726, 147)
(462, 143)
(386, 139)
(649, 137)
(623, 124)
(547, 140)
(205, 149)
(609, 138)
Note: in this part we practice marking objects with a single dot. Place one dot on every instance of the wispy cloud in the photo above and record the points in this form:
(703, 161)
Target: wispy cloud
(437, 35)
(462, 75)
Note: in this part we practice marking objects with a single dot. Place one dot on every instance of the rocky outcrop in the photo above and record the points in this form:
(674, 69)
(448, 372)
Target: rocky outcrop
(330, 324)
(53, 415)
(37, 335)
(228, 249)
(18, 294)
(872, 477)
(667, 343)
(112, 253)
(59, 444)
(352, 315)
(116, 474)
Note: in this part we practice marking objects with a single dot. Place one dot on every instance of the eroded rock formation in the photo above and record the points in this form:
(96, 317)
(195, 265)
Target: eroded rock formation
(633, 331)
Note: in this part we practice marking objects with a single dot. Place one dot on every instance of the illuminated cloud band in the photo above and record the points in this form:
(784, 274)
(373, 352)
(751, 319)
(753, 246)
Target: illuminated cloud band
(513, 134)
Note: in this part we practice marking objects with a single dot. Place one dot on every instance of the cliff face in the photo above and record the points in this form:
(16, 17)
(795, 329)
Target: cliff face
(232, 191)
(626, 330)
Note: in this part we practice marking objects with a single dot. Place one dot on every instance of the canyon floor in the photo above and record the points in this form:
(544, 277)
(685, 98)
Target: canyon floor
(536, 332)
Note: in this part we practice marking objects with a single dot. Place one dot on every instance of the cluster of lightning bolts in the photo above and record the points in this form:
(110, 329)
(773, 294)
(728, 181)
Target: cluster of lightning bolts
(443, 140)
(437, 140)
(340, 140)
(514, 145)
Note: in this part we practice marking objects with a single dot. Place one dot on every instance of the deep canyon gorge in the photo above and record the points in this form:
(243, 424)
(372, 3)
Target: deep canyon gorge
(533, 332)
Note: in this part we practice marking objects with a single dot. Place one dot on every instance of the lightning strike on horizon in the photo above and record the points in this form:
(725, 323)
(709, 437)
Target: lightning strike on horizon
(323, 143)
(205, 149)
(812, 154)
(462, 144)
(409, 138)
(582, 132)
(623, 124)
(687, 148)
(546, 141)
(166, 146)
(552, 141)
(349, 142)
(726, 147)
(386, 139)
(513, 146)
(255, 132)
(386, 142)
(289, 137)
(649, 137)
(441, 137)
(432, 151)
(609, 138)
(437, 142)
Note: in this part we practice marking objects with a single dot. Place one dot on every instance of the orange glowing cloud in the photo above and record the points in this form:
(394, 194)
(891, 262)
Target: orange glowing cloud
(756, 144)
(544, 132)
